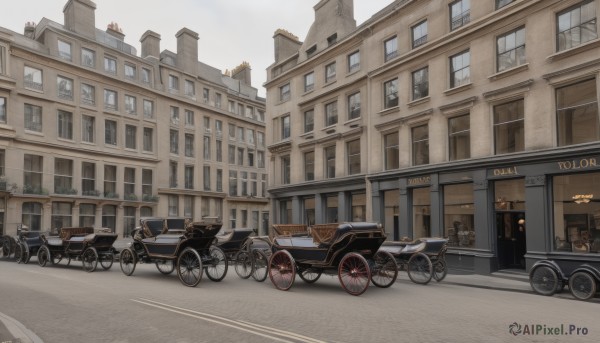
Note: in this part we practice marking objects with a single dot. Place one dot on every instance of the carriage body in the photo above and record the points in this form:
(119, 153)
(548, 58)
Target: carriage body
(176, 242)
(78, 243)
(349, 250)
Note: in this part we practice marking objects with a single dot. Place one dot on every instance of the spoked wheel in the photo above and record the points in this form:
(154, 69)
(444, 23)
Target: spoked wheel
(19, 253)
(440, 270)
(165, 266)
(89, 258)
(259, 267)
(243, 264)
(127, 261)
(385, 271)
(43, 256)
(354, 273)
(309, 275)
(420, 268)
(189, 267)
(543, 280)
(216, 268)
(582, 285)
(107, 260)
(282, 270)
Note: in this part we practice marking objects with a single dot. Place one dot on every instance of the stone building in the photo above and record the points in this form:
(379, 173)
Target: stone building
(93, 134)
(472, 120)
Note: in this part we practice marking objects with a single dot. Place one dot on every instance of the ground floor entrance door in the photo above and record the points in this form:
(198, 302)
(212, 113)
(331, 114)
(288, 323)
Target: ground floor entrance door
(510, 228)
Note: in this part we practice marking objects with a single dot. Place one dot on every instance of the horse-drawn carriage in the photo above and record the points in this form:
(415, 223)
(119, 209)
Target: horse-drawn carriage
(176, 243)
(249, 254)
(82, 243)
(423, 259)
(349, 250)
(548, 277)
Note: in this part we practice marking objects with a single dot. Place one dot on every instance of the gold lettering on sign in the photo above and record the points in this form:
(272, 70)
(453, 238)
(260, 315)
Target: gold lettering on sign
(577, 164)
(506, 171)
(419, 180)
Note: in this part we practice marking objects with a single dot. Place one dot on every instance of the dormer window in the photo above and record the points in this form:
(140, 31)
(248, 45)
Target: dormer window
(311, 51)
(332, 39)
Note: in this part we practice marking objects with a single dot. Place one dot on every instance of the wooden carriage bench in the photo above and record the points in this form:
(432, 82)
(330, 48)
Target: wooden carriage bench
(289, 230)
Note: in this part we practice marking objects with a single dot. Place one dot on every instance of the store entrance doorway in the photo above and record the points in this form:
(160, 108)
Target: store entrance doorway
(512, 246)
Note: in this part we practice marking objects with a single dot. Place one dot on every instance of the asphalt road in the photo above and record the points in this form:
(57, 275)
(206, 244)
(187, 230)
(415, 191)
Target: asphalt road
(66, 304)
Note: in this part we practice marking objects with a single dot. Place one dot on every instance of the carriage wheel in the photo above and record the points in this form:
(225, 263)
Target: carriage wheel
(68, 261)
(385, 271)
(259, 266)
(26, 253)
(582, 285)
(216, 268)
(282, 270)
(6, 246)
(440, 270)
(165, 266)
(43, 256)
(189, 267)
(243, 264)
(543, 280)
(89, 258)
(127, 261)
(107, 260)
(354, 273)
(420, 268)
(19, 253)
(310, 275)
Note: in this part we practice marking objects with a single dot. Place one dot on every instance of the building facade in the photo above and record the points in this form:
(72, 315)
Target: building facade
(472, 120)
(93, 134)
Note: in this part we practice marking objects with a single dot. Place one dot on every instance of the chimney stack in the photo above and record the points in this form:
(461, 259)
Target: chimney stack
(80, 17)
(29, 31)
(187, 50)
(286, 44)
(150, 45)
(243, 73)
(114, 30)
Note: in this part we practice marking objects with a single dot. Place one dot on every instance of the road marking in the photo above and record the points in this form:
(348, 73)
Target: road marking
(260, 330)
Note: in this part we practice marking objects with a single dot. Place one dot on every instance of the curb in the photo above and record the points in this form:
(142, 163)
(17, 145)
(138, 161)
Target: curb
(20, 334)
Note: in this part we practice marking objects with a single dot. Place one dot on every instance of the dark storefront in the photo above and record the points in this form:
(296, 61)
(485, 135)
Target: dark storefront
(502, 216)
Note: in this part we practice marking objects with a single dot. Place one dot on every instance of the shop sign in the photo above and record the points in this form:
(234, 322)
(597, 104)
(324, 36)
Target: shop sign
(582, 163)
(505, 171)
(417, 181)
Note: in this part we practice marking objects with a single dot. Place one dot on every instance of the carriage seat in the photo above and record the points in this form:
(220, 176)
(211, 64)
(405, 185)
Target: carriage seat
(289, 230)
(153, 227)
(55, 241)
(344, 228)
(237, 235)
(297, 242)
(67, 232)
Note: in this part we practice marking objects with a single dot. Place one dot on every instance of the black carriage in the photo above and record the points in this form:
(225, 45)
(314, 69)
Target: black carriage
(548, 277)
(247, 253)
(176, 243)
(10, 248)
(78, 243)
(348, 250)
(423, 259)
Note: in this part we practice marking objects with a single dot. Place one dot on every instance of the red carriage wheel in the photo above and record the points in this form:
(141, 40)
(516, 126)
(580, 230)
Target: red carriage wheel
(354, 273)
(282, 270)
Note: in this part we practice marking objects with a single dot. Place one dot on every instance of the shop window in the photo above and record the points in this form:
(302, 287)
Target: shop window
(576, 213)
(285, 212)
(331, 209)
(459, 215)
(358, 203)
(421, 212)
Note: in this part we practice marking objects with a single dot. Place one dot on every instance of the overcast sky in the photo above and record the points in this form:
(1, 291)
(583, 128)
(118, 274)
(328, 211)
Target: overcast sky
(231, 31)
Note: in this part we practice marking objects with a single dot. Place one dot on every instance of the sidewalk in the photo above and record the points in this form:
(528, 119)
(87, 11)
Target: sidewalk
(510, 281)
